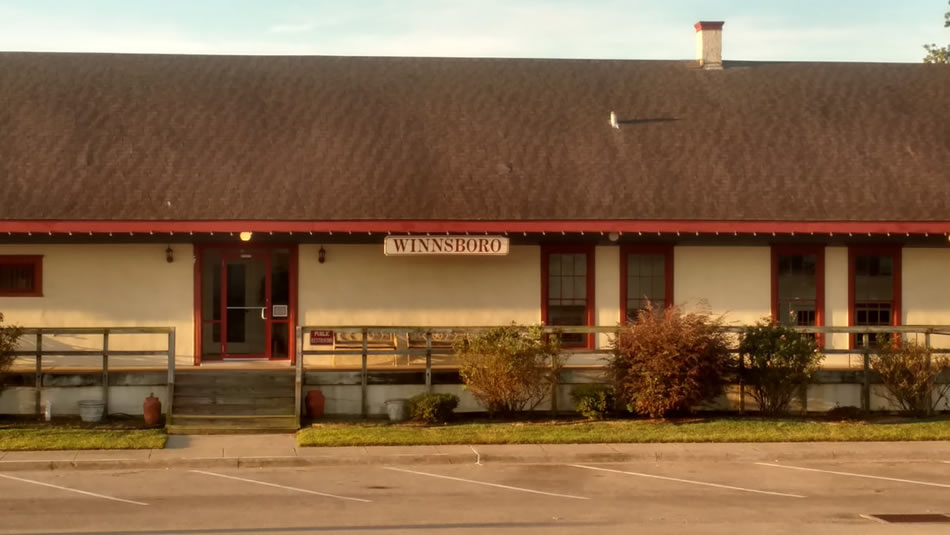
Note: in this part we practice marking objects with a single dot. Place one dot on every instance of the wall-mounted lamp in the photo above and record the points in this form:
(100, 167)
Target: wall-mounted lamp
(613, 236)
(322, 255)
(169, 255)
(246, 236)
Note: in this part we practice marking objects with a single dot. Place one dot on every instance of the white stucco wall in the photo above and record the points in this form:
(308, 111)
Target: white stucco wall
(94, 285)
(735, 281)
(925, 290)
(836, 305)
(606, 290)
(357, 285)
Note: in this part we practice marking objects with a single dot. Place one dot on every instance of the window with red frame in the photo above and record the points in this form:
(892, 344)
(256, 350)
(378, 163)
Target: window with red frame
(21, 276)
(568, 291)
(646, 276)
(798, 285)
(875, 289)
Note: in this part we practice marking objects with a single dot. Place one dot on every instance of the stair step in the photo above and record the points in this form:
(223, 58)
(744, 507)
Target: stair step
(235, 379)
(247, 392)
(234, 409)
(193, 401)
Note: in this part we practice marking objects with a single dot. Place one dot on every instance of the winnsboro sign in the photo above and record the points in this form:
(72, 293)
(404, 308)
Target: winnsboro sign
(445, 245)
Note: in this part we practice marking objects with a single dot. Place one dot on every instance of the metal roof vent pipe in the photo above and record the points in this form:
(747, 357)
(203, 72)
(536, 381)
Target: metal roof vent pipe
(709, 44)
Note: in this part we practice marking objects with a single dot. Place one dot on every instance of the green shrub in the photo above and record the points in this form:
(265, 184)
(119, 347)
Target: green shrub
(509, 369)
(668, 362)
(909, 371)
(593, 401)
(779, 362)
(9, 334)
(432, 408)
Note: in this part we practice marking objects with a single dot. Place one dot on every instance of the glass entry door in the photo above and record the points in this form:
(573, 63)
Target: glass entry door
(246, 305)
(246, 302)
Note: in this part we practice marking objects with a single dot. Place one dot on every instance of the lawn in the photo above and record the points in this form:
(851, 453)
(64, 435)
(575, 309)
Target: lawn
(73, 435)
(634, 431)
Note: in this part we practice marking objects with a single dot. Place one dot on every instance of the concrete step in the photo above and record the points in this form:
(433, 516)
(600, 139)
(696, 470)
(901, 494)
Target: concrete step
(226, 430)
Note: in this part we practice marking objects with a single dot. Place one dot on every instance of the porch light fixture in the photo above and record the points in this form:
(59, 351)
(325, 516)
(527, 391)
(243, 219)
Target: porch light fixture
(246, 236)
(169, 255)
(322, 255)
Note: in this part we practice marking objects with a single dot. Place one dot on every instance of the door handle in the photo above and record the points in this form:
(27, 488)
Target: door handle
(263, 313)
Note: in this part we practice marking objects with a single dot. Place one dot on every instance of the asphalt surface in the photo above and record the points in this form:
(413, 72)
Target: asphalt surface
(645, 496)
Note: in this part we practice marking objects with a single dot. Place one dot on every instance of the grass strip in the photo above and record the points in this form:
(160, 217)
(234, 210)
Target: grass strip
(628, 431)
(53, 438)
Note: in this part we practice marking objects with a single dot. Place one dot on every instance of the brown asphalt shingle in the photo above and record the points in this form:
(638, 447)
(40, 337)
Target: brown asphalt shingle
(142, 137)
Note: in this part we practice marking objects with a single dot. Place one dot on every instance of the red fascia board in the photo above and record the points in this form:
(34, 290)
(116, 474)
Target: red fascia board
(450, 226)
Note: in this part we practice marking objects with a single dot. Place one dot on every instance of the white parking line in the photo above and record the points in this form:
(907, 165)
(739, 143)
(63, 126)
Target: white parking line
(703, 483)
(496, 485)
(77, 491)
(281, 486)
(856, 475)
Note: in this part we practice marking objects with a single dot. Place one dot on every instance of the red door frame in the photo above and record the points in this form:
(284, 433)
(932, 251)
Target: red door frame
(199, 249)
(268, 273)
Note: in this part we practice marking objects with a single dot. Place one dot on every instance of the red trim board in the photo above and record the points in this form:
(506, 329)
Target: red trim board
(455, 226)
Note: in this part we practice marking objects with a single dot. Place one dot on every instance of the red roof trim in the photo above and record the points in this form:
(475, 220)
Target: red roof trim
(621, 226)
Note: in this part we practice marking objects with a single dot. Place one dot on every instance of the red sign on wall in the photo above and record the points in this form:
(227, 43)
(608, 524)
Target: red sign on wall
(321, 338)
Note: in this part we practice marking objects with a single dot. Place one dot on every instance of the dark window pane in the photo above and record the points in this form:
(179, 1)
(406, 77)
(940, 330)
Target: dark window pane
(874, 280)
(280, 340)
(211, 285)
(646, 282)
(280, 278)
(570, 315)
(797, 289)
(17, 278)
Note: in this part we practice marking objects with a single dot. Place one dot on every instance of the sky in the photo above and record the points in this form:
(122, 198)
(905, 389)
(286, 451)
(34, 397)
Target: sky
(781, 30)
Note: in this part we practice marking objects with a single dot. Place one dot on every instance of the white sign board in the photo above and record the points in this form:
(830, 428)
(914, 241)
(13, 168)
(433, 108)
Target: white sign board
(445, 245)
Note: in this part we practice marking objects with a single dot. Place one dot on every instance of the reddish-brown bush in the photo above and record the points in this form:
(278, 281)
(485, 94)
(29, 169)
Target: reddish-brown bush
(669, 362)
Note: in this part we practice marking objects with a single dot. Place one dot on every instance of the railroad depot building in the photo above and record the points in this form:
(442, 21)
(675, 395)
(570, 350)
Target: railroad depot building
(235, 199)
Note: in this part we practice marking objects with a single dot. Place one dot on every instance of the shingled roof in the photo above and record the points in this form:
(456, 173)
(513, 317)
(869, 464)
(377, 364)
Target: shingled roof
(186, 138)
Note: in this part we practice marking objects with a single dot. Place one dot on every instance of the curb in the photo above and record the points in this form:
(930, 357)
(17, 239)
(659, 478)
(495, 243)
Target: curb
(841, 452)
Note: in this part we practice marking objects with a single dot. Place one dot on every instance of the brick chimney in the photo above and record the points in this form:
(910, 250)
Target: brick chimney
(709, 43)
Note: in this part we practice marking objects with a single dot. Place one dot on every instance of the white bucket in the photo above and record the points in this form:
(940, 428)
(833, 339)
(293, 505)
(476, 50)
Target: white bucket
(91, 410)
(396, 409)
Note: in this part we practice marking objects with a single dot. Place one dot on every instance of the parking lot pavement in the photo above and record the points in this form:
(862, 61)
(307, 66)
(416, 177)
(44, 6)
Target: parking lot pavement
(654, 497)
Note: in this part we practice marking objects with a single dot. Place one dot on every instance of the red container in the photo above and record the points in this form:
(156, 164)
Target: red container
(315, 404)
(153, 410)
